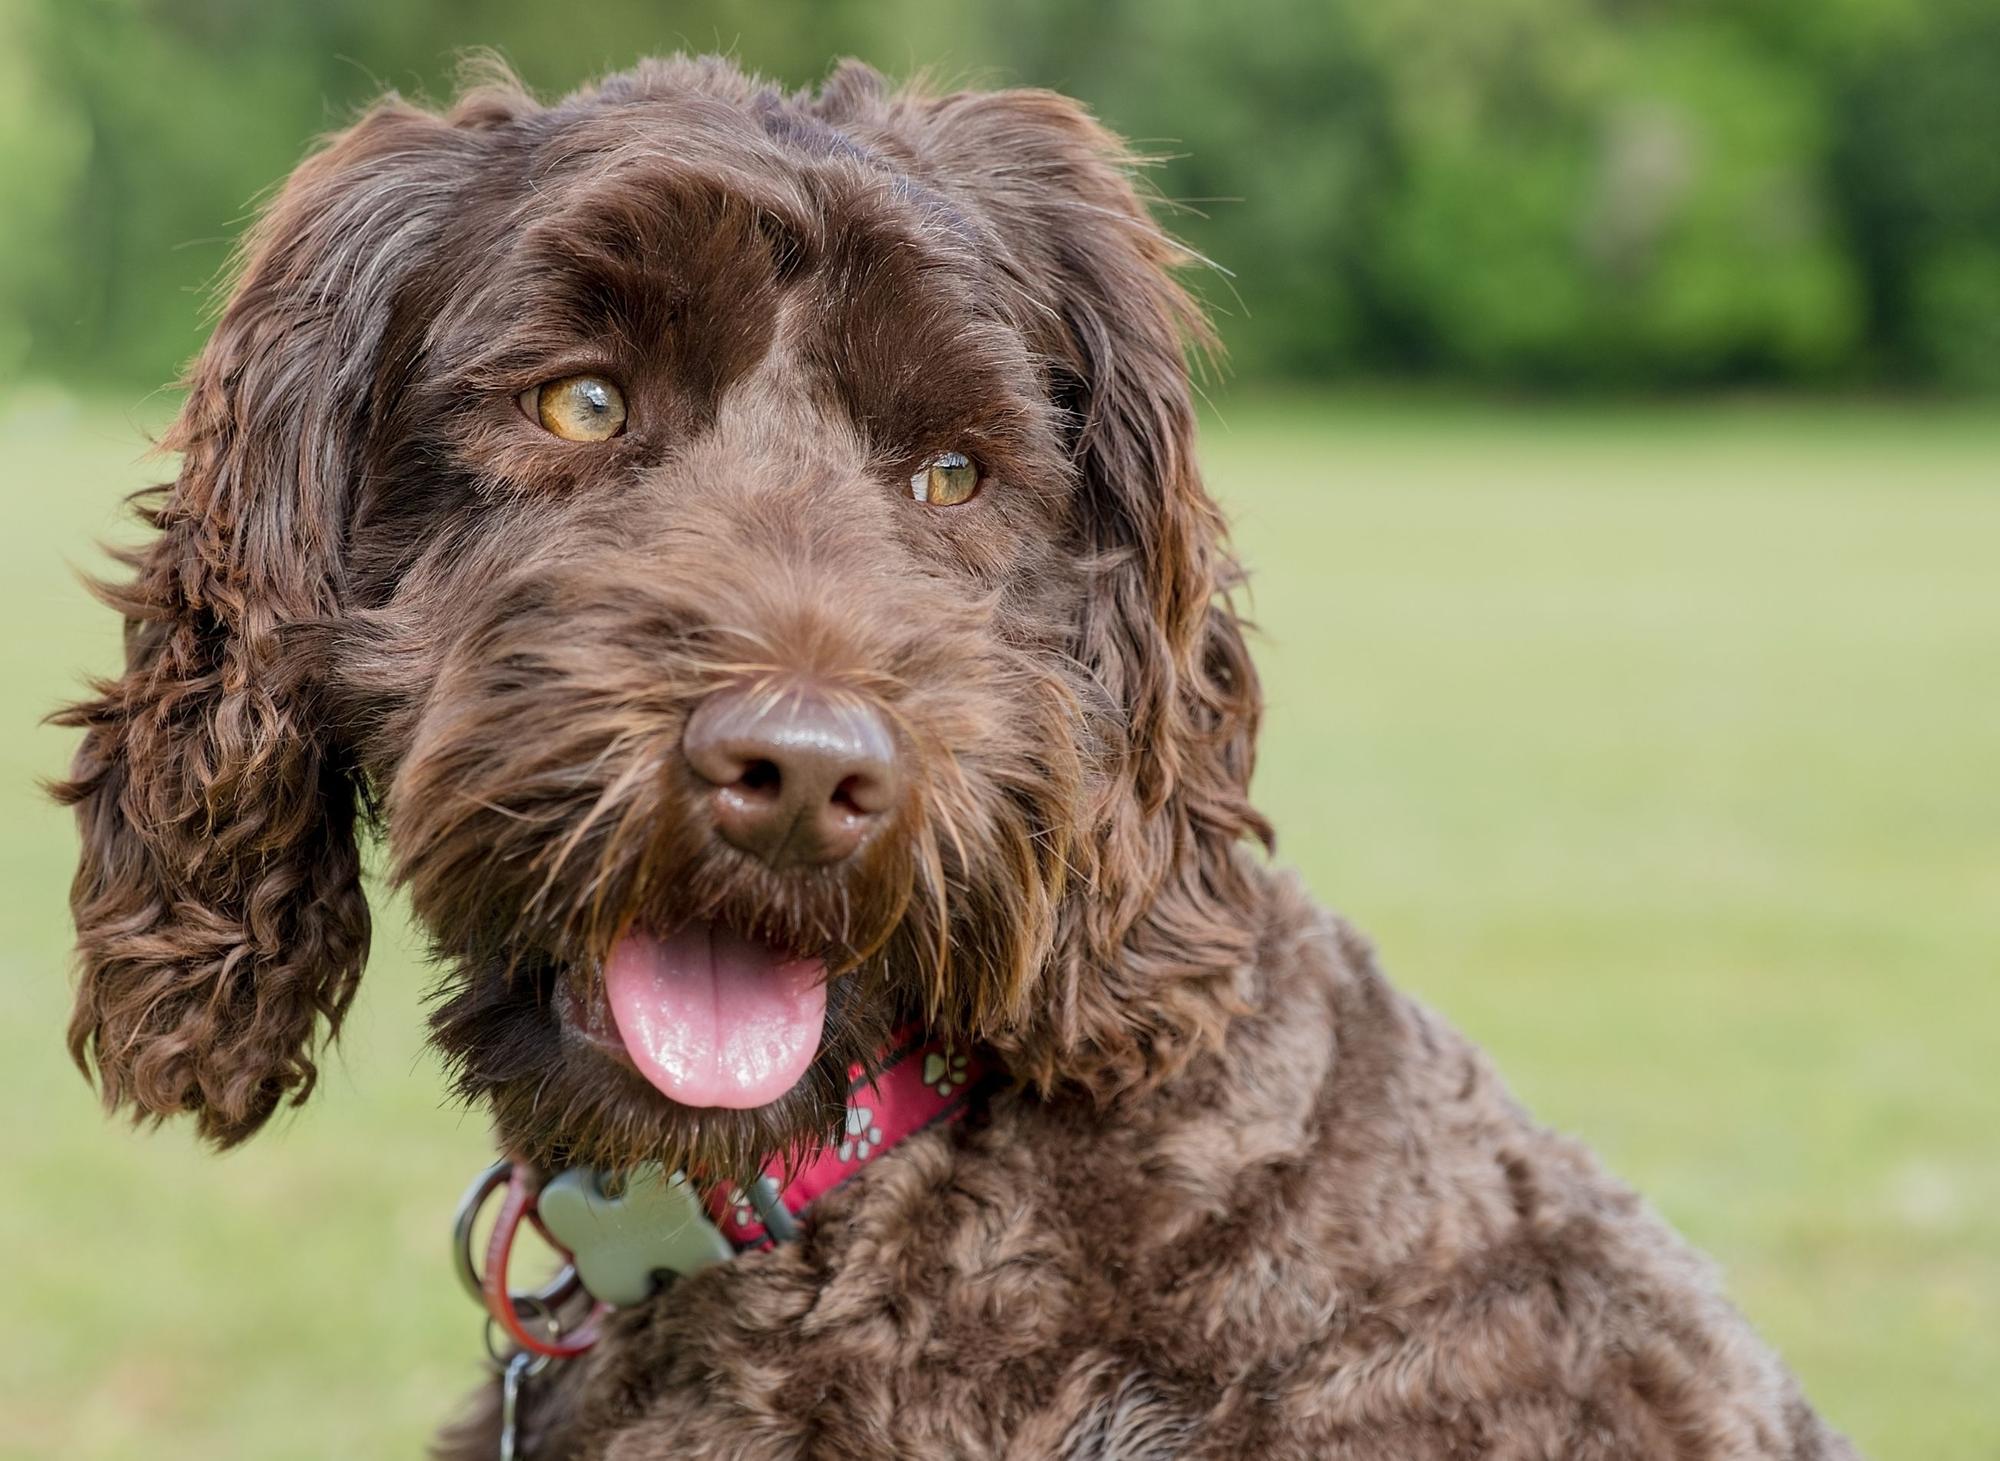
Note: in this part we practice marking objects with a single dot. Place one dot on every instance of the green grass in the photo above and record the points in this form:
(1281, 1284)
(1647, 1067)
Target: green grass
(1657, 747)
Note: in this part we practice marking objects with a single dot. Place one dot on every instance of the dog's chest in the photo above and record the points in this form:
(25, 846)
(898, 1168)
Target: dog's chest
(1372, 1256)
(1045, 1286)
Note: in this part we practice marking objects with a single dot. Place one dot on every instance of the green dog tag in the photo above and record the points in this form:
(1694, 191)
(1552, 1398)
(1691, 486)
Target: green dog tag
(621, 1244)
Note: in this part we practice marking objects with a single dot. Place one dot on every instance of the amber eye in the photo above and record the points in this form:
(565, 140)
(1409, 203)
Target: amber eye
(946, 480)
(577, 408)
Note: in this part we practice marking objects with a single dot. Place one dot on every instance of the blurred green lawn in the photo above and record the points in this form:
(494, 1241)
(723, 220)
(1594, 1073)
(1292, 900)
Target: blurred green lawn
(1657, 747)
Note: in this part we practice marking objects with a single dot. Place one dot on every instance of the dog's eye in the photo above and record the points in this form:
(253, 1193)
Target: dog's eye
(946, 480)
(577, 408)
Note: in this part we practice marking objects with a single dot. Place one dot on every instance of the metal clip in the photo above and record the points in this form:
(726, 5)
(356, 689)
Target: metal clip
(516, 1368)
(512, 1378)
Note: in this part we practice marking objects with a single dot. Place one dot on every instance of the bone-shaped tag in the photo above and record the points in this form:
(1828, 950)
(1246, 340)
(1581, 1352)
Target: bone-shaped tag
(656, 1224)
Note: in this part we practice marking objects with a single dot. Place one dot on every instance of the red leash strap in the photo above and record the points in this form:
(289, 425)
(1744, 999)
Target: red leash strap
(516, 1206)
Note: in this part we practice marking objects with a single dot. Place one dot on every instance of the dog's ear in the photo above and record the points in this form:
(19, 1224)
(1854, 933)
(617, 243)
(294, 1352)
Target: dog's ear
(1160, 944)
(219, 913)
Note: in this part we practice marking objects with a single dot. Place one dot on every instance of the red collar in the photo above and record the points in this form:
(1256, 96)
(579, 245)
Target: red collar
(918, 1082)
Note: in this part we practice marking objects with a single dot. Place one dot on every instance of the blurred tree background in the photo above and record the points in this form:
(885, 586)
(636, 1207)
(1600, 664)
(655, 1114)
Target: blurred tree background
(1635, 194)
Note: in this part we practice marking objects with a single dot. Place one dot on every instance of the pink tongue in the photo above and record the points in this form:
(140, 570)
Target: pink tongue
(713, 1018)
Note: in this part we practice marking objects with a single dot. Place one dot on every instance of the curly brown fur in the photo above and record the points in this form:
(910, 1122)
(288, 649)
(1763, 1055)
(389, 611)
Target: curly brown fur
(1335, 1236)
(1241, 1195)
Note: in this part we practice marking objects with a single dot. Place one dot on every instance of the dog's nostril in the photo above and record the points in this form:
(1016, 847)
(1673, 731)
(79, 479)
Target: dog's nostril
(858, 796)
(761, 776)
(799, 776)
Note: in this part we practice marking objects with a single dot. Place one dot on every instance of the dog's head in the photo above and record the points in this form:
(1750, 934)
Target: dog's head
(746, 555)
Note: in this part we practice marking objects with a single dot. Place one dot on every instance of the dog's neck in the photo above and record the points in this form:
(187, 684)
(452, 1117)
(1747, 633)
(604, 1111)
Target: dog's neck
(618, 1238)
(918, 1082)
(1132, 1000)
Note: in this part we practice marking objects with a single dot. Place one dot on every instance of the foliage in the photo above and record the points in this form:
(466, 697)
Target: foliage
(1627, 193)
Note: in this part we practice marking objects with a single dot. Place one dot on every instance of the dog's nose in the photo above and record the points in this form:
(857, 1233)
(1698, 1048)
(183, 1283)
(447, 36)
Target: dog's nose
(801, 777)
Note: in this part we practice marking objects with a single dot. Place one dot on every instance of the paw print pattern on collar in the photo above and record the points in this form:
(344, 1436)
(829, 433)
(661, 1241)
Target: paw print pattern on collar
(863, 1135)
(917, 1082)
(944, 1070)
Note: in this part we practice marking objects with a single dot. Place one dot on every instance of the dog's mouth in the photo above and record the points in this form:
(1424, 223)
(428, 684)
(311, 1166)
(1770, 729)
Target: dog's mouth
(710, 1017)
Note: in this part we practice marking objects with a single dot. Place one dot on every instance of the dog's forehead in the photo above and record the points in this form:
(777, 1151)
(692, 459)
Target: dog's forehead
(772, 155)
(616, 222)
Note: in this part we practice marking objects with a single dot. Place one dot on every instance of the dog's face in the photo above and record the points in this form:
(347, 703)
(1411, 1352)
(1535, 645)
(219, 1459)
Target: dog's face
(744, 552)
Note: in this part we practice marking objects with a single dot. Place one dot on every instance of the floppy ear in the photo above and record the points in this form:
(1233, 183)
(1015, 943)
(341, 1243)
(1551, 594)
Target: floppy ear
(1158, 947)
(218, 905)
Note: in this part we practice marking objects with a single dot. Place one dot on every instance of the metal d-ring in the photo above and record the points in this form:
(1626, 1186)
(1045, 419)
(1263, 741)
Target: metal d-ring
(546, 1299)
(771, 1210)
(502, 1359)
(462, 1262)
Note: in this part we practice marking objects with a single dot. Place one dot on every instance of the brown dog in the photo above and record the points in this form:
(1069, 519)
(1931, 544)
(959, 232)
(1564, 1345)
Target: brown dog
(745, 554)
